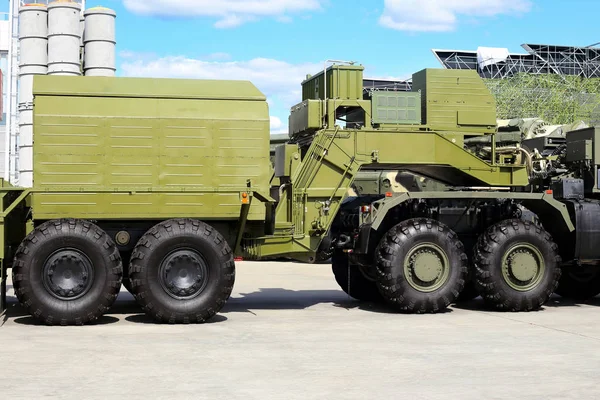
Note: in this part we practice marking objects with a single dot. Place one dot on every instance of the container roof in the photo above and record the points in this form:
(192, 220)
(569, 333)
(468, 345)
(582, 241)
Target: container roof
(94, 86)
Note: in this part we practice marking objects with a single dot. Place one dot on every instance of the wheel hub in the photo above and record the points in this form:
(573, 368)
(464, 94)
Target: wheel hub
(183, 274)
(68, 274)
(426, 267)
(523, 267)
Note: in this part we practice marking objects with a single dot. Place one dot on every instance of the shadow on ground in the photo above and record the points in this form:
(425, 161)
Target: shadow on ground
(267, 299)
(263, 299)
(284, 299)
(555, 302)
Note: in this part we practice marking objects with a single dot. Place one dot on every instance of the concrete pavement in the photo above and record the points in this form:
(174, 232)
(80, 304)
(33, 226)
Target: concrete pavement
(289, 332)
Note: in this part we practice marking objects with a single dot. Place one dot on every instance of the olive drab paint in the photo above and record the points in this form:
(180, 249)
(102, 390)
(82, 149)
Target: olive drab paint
(129, 153)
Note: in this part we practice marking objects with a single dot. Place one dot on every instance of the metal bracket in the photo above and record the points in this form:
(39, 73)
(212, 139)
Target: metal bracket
(375, 155)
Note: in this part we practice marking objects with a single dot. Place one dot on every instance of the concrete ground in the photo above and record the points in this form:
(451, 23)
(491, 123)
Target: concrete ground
(288, 333)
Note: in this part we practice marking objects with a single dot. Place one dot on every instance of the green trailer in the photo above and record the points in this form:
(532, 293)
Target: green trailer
(159, 184)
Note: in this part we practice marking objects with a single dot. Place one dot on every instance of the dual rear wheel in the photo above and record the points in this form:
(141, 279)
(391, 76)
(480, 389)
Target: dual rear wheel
(182, 271)
(421, 267)
(69, 272)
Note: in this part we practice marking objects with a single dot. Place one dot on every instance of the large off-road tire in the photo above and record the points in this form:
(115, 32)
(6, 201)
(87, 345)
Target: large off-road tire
(67, 272)
(579, 283)
(352, 280)
(421, 266)
(182, 271)
(517, 266)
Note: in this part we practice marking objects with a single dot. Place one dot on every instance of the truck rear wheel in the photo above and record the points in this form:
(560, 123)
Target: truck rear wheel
(421, 266)
(517, 266)
(67, 272)
(579, 283)
(182, 271)
(352, 280)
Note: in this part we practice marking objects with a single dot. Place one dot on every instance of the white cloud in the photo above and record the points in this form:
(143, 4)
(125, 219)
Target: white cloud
(229, 13)
(442, 15)
(278, 80)
(277, 126)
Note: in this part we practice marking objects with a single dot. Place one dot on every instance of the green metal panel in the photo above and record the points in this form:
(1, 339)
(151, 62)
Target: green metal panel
(396, 107)
(455, 100)
(287, 157)
(321, 182)
(108, 147)
(343, 82)
(580, 151)
(95, 86)
(306, 116)
(586, 134)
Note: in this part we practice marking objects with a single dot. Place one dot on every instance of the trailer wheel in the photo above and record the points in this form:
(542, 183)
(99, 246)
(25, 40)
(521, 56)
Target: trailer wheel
(421, 266)
(182, 271)
(579, 283)
(67, 272)
(517, 266)
(352, 281)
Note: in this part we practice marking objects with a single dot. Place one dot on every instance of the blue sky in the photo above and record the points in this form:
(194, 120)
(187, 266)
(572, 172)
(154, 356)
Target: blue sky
(275, 43)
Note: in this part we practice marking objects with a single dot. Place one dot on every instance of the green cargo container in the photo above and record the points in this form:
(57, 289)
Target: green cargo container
(148, 148)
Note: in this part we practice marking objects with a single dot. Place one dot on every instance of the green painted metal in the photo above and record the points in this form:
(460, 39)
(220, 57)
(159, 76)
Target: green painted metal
(312, 198)
(155, 149)
(396, 108)
(456, 100)
(150, 88)
(523, 267)
(343, 82)
(117, 148)
(543, 204)
(426, 267)
(306, 116)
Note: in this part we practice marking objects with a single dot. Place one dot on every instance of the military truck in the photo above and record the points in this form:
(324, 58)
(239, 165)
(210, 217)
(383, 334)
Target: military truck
(158, 184)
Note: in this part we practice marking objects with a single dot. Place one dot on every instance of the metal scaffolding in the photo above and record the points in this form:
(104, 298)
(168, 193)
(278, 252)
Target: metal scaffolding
(560, 84)
(539, 59)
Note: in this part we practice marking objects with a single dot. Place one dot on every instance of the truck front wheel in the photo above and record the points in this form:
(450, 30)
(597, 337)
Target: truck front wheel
(517, 266)
(67, 272)
(182, 271)
(421, 266)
